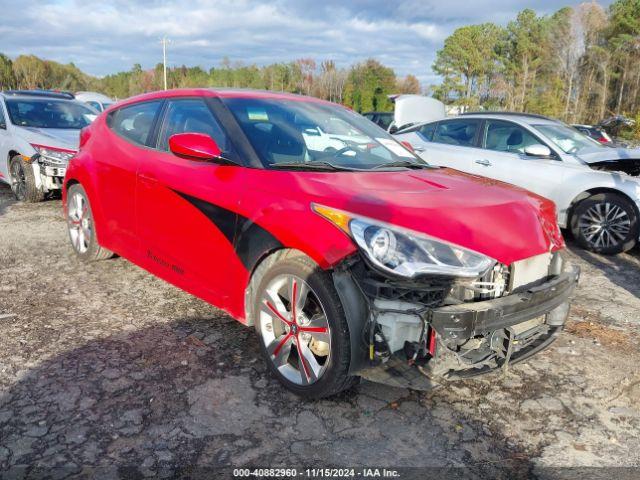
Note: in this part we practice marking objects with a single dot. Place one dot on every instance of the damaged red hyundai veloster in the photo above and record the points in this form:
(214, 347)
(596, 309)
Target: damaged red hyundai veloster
(350, 256)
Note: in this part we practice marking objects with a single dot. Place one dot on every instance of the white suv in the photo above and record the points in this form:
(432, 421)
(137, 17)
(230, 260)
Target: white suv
(39, 133)
(594, 187)
(96, 100)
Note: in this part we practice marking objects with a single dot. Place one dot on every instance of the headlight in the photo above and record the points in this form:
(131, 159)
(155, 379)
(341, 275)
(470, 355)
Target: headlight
(405, 252)
(54, 156)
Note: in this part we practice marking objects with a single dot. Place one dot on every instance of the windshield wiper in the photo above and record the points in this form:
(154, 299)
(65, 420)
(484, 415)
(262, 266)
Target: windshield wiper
(315, 165)
(403, 163)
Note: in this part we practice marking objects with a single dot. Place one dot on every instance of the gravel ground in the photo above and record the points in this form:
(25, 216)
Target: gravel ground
(104, 368)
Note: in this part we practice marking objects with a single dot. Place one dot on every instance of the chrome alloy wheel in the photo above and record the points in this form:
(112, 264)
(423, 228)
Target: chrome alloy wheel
(605, 225)
(79, 221)
(295, 330)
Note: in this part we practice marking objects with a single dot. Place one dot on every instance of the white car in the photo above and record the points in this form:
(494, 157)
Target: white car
(595, 188)
(96, 100)
(39, 133)
(335, 134)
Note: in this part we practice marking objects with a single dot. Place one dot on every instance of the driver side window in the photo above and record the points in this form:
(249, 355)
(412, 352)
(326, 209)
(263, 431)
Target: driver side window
(3, 121)
(508, 137)
(190, 116)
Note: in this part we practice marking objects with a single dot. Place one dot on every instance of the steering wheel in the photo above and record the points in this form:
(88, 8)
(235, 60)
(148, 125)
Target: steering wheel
(337, 153)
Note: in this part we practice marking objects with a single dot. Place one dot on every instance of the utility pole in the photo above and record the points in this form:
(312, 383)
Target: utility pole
(164, 59)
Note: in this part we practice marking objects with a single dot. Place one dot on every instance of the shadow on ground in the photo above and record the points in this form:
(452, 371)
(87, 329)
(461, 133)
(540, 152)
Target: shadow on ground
(6, 197)
(194, 393)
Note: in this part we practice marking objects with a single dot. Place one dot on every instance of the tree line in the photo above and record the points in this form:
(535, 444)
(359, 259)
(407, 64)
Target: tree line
(579, 64)
(364, 86)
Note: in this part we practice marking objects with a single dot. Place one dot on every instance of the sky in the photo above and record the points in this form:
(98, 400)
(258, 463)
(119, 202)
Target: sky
(103, 37)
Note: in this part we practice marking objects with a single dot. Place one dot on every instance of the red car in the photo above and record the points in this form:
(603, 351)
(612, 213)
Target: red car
(349, 255)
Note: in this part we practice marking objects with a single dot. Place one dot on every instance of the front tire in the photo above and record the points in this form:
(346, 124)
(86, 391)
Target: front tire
(81, 226)
(303, 330)
(23, 181)
(605, 223)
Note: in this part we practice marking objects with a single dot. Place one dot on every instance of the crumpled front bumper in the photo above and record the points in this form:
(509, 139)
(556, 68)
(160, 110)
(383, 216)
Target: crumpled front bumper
(455, 324)
(467, 320)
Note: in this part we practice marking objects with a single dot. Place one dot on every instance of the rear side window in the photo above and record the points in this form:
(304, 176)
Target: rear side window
(457, 132)
(135, 121)
(191, 116)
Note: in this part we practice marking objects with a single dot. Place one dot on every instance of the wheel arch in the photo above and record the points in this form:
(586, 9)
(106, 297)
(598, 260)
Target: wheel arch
(96, 208)
(69, 183)
(264, 262)
(595, 191)
(12, 153)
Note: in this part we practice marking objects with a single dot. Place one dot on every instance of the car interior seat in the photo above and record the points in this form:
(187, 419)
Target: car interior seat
(141, 127)
(286, 144)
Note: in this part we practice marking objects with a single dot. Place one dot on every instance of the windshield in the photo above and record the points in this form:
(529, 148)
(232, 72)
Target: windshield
(567, 139)
(49, 113)
(303, 134)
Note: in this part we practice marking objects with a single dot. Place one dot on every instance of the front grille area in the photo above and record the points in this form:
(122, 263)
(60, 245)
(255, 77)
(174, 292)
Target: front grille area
(429, 295)
(430, 292)
(435, 291)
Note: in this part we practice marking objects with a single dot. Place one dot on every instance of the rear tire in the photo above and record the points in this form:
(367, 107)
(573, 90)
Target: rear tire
(605, 223)
(81, 227)
(23, 181)
(315, 326)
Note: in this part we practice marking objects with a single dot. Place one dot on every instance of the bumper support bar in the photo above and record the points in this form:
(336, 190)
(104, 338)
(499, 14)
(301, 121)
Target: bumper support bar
(467, 320)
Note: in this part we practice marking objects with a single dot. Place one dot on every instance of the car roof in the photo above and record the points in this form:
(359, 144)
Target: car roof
(95, 96)
(219, 93)
(58, 95)
(519, 118)
(507, 116)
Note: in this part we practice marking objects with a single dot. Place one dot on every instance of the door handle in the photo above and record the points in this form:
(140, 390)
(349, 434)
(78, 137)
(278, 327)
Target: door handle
(485, 163)
(418, 149)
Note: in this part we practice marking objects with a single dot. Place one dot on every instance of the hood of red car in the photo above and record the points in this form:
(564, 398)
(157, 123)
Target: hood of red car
(490, 217)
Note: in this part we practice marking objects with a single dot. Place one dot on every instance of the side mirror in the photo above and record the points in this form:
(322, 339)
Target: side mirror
(537, 150)
(196, 146)
(393, 129)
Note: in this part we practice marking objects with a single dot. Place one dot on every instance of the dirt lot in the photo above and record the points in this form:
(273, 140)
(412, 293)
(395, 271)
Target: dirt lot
(104, 367)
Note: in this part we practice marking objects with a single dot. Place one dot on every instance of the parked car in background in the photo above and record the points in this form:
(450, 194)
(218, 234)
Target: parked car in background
(407, 110)
(39, 133)
(96, 100)
(412, 109)
(597, 133)
(382, 119)
(351, 260)
(595, 188)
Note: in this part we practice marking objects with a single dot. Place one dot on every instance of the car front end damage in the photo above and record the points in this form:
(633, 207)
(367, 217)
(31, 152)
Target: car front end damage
(435, 329)
(630, 166)
(50, 166)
